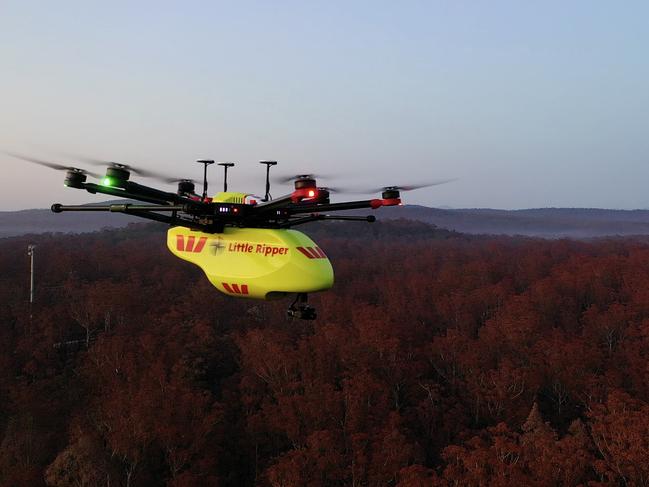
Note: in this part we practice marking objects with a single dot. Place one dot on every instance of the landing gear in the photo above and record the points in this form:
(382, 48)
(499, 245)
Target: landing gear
(300, 308)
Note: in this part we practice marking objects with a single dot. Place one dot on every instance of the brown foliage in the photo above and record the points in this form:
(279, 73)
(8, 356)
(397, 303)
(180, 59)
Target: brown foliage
(437, 360)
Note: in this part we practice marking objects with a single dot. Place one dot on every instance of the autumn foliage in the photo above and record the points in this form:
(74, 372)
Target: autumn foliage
(437, 360)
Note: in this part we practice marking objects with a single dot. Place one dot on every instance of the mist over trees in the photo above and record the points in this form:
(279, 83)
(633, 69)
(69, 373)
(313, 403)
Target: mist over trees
(437, 359)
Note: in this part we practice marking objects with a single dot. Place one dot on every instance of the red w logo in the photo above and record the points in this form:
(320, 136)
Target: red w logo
(312, 252)
(190, 245)
(235, 289)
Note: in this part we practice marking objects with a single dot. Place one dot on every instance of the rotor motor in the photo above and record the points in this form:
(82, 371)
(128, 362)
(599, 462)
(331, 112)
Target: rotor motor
(390, 194)
(117, 172)
(75, 179)
(303, 182)
(186, 186)
(323, 195)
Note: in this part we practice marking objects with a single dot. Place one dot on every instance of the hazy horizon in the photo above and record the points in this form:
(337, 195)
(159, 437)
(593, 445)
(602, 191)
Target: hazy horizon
(528, 105)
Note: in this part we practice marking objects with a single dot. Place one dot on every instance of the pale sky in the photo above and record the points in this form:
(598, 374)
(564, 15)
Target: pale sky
(529, 104)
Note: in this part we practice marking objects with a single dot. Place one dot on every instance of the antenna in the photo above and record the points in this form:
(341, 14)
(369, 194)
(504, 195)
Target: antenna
(268, 164)
(225, 165)
(205, 162)
(31, 248)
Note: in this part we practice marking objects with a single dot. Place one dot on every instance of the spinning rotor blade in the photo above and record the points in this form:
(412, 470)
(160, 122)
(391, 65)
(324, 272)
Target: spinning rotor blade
(406, 187)
(145, 173)
(335, 189)
(289, 179)
(174, 180)
(51, 165)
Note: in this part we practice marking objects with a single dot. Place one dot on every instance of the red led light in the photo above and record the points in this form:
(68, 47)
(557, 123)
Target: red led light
(236, 210)
(311, 193)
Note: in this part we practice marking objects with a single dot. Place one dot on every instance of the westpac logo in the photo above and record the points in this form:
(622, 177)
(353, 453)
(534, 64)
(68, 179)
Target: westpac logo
(312, 252)
(188, 243)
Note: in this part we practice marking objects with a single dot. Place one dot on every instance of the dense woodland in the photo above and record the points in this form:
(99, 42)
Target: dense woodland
(437, 360)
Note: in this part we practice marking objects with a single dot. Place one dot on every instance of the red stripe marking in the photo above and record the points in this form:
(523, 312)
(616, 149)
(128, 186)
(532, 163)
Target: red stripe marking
(236, 288)
(227, 287)
(200, 244)
(190, 243)
(180, 243)
(313, 253)
(305, 252)
(244, 289)
(321, 253)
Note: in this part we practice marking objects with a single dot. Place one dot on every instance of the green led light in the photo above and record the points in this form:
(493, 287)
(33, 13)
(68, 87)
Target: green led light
(107, 181)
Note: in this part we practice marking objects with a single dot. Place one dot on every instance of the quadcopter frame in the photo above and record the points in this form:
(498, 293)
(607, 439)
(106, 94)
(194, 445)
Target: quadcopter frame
(305, 204)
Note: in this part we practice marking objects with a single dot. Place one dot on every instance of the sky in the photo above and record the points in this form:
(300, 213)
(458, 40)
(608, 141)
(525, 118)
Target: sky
(528, 104)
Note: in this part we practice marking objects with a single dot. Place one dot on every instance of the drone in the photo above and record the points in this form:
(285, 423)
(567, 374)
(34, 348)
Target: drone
(245, 244)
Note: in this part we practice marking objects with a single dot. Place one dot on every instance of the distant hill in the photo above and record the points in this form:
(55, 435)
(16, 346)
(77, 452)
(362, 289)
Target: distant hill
(44, 221)
(542, 222)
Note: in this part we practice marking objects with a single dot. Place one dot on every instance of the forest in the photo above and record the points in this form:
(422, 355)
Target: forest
(438, 359)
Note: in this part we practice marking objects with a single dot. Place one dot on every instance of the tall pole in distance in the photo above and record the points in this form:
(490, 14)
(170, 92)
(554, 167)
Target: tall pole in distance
(268, 165)
(30, 251)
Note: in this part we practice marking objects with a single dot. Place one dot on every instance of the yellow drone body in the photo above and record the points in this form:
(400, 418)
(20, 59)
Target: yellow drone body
(255, 262)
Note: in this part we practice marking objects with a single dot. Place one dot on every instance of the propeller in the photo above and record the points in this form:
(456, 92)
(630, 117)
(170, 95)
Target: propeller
(145, 173)
(335, 189)
(120, 166)
(405, 187)
(175, 180)
(298, 177)
(51, 165)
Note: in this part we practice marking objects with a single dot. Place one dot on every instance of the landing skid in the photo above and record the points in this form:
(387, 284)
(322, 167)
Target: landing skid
(300, 308)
